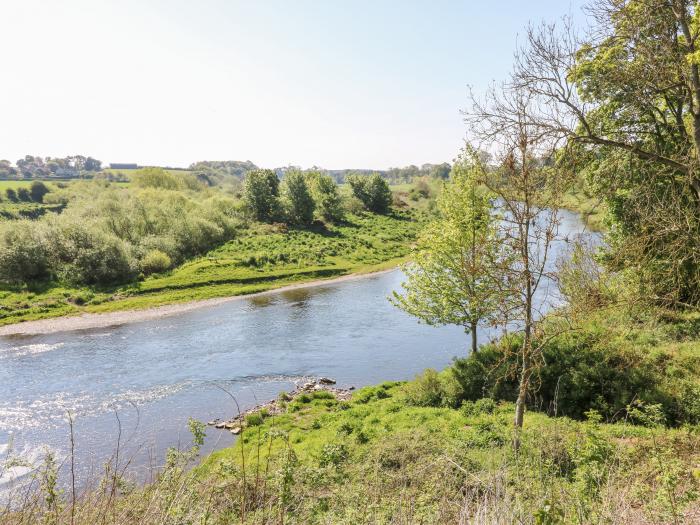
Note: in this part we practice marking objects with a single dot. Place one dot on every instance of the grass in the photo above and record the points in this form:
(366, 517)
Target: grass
(592, 210)
(263, 258)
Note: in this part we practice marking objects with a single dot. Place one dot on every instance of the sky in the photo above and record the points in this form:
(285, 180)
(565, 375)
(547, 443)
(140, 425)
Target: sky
(329, 83)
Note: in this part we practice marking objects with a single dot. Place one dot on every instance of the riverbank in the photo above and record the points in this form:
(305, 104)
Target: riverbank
(90, 321)
(263, 258)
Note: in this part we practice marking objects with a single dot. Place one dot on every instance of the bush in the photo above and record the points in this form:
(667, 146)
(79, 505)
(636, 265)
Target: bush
(433, 389)
(11, 195)
(155, 261)
(23, 194)
(38, 190)
(24, 252)
(90, 256)
(333, 454)
(254, 420)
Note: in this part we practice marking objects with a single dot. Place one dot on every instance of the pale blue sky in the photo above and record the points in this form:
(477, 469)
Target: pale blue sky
(335, 83)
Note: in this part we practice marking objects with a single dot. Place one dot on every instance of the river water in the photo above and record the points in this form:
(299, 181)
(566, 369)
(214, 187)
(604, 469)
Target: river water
(137, 384)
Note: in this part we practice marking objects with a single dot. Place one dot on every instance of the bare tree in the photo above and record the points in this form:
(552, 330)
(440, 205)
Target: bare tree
(528, 186)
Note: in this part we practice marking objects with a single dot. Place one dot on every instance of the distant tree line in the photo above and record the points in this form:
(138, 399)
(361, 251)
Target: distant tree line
(300, 194)
(31, 167)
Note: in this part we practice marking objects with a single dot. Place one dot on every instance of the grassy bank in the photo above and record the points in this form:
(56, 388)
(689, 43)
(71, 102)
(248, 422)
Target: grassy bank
(432, 451)
(263, 257)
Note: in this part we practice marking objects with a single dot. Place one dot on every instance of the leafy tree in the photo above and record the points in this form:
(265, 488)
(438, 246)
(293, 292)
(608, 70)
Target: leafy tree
(441, 171)
(261, 194)
(373, 191)
(11, 195)
(326, 195)
(23, 194)
(38, 190)
(626, 101)
(298, 203)
(452, 277)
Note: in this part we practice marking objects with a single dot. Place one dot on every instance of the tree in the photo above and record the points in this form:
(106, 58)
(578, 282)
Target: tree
(298, 203)
(326, 195)
(373, 191)
(23, 194)
(440, 171)
(38, 190)
(261, 194)
(627, 102)
(11, 195)
(527, 186)
(453, 278)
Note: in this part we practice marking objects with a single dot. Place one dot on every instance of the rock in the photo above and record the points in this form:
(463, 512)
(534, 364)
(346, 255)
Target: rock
(230, 425)
(213, 422)
(236, 430)
(351, 388)
(219, 425)
(308, 386)
(326, 381)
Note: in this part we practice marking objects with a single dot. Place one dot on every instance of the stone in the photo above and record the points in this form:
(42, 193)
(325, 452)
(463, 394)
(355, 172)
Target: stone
(220, 425)
(326, 381)
(236, 430)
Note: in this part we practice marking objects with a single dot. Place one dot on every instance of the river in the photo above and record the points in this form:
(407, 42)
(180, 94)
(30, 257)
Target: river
(139, 383)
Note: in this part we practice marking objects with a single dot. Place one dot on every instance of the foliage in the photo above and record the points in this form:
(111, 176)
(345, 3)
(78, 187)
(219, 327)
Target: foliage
(298, 203)
(37, 191)
(106, 233)
(329, 204)
(155, 261)
(256, 257)
(373, 191)
(604, 365)
(261, 194)
(451, 278)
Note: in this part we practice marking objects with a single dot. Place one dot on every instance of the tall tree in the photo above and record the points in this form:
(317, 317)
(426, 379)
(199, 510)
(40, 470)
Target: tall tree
(298, 203)
(527, 187)
(627, 101)
(325, 192)
(453, 278)
(261, 194)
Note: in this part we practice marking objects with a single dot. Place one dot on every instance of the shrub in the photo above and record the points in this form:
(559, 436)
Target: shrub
(11, 195)
(155, 261)
(254, 420)
(24, 252)
(433, 389)
(478, 407)
(89, 256)
(37, 190)
(23, 194)
(333, 454)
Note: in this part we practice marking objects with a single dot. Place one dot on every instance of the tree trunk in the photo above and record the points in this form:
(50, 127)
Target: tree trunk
(475, 346)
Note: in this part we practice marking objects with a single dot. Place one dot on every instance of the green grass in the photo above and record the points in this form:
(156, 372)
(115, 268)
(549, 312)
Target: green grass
(261, 259)
(377, 458)
(592, 210)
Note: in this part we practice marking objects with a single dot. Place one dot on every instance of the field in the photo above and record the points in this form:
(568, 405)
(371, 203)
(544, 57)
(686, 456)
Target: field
(262, 258)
